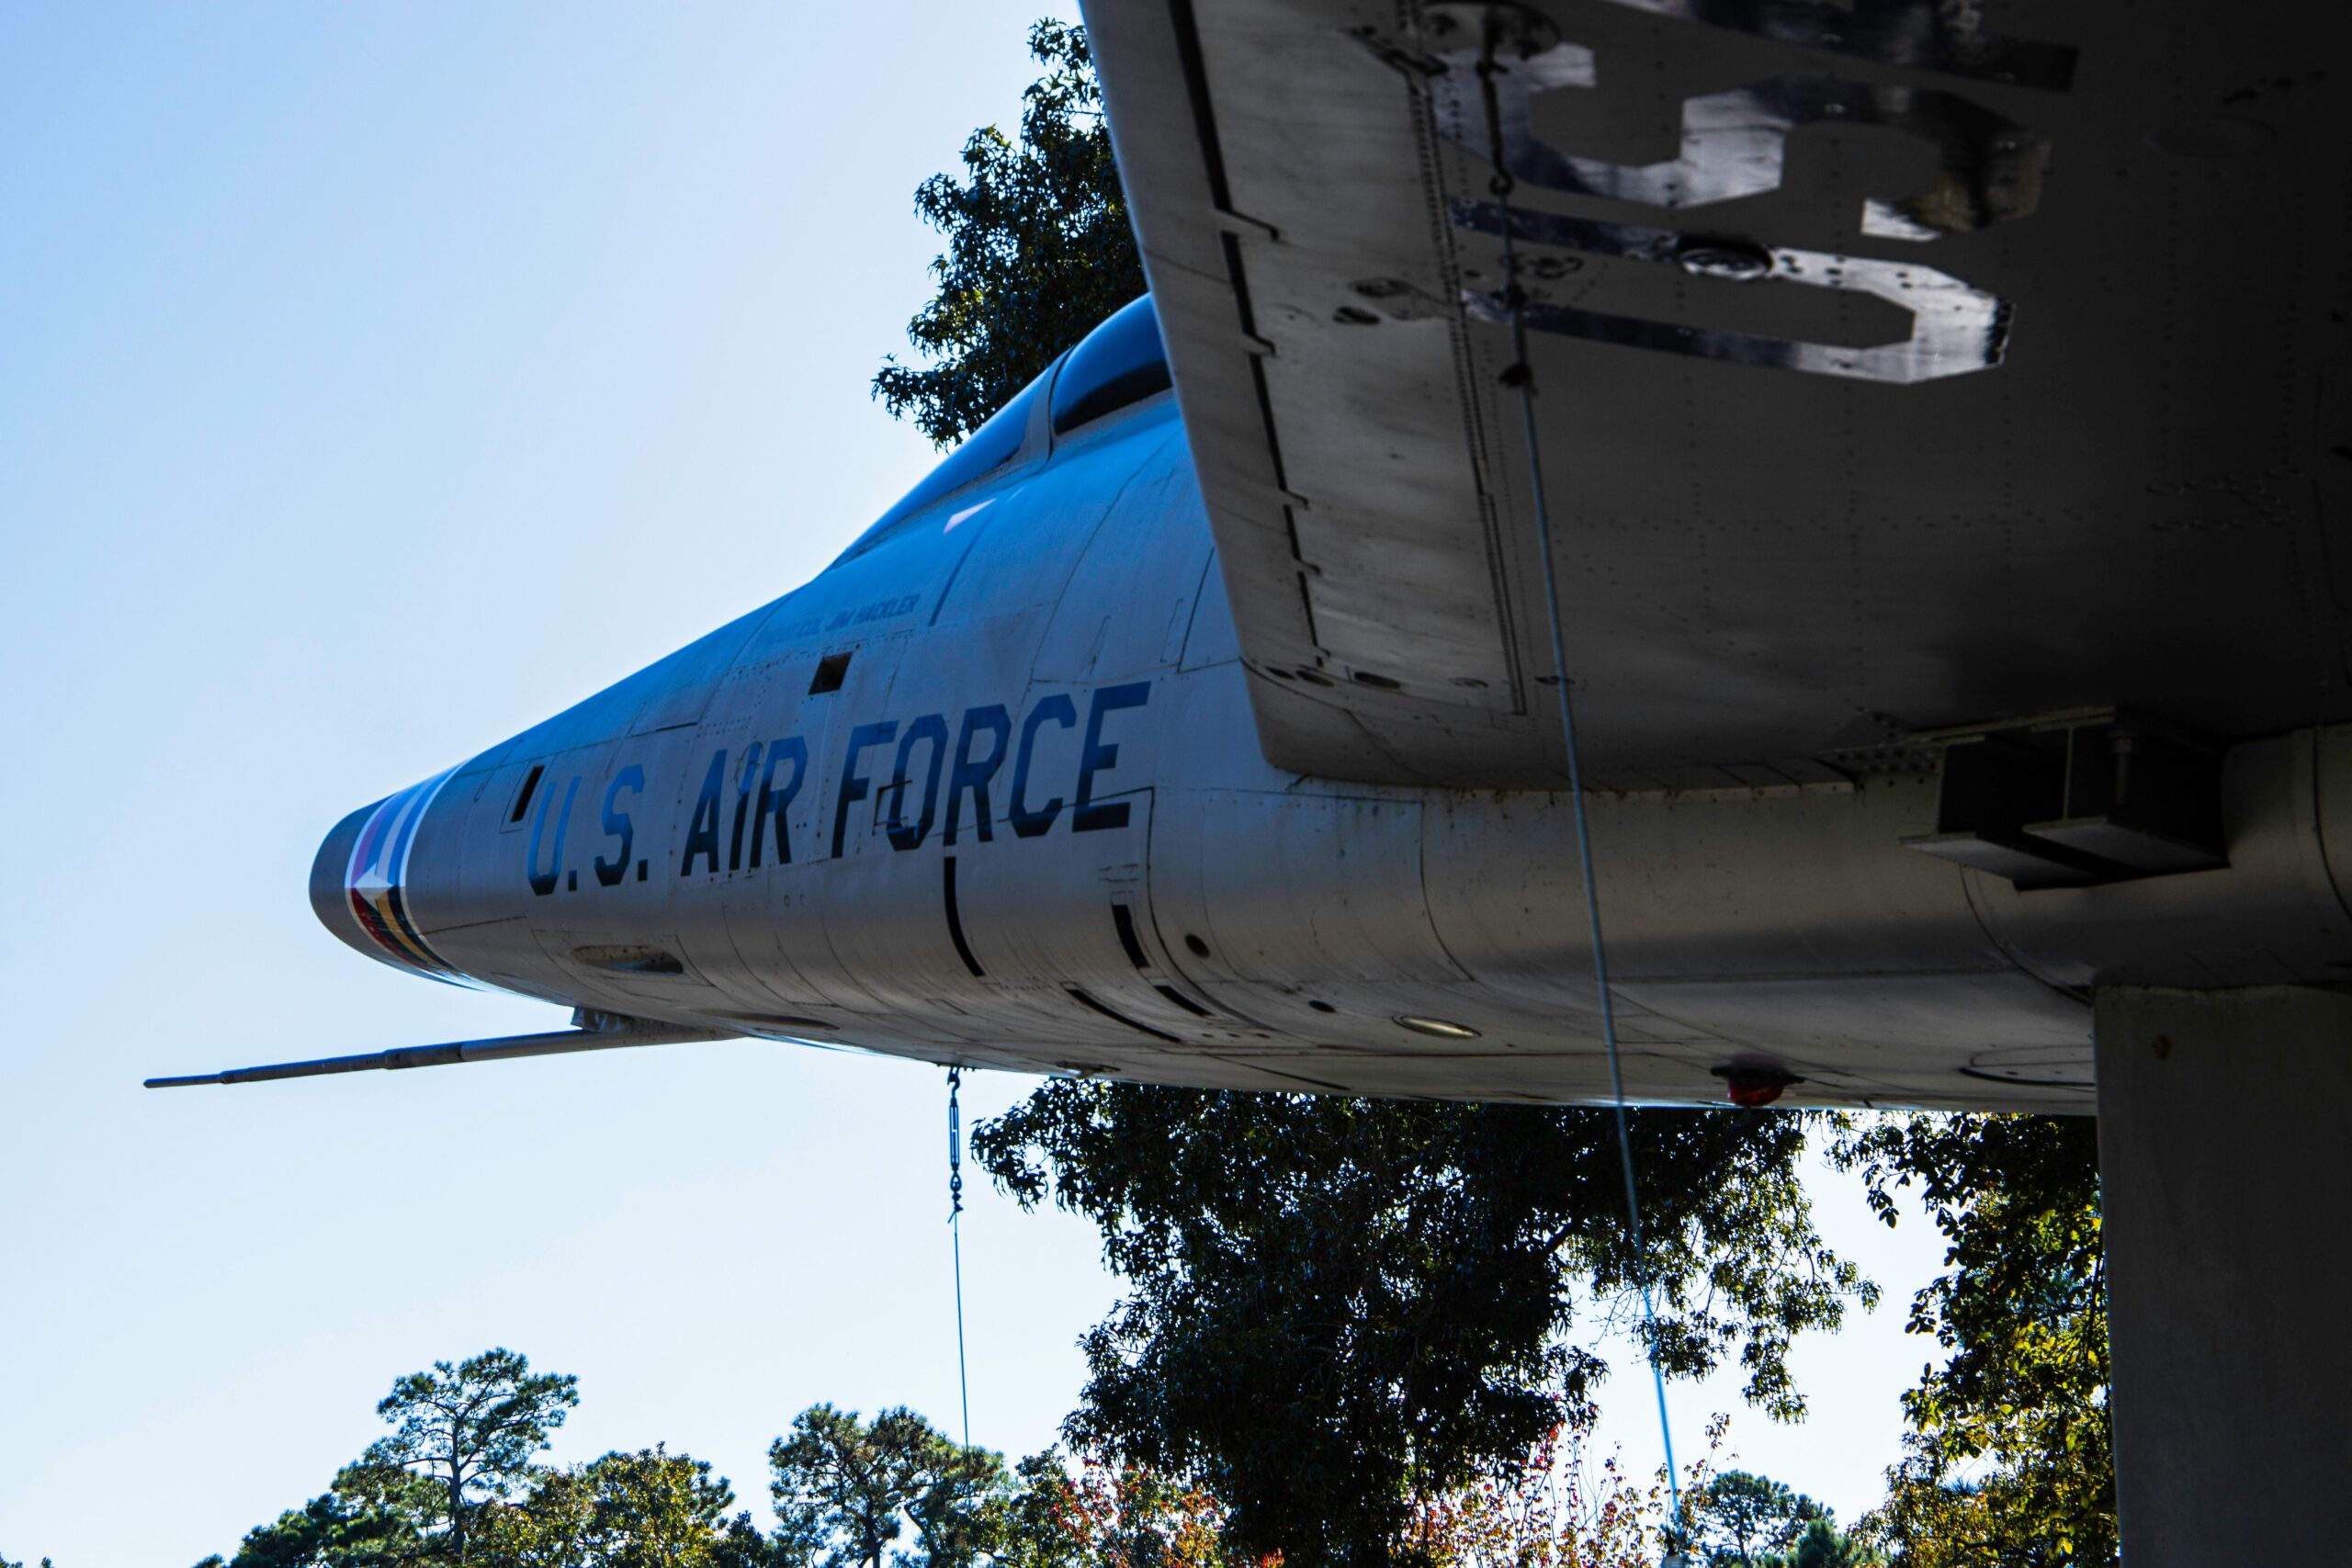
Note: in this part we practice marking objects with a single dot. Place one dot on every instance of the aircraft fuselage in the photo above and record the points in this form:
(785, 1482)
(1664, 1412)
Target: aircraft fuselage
(988, 791)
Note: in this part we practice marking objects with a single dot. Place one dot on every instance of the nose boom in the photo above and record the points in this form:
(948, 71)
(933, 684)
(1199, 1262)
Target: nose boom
(357, 881)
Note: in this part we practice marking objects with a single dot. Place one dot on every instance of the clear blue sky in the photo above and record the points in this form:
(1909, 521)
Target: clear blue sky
(375, 380)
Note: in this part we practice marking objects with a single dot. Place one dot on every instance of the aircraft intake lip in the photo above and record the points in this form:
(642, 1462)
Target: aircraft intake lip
(329, 899)
(358, 881)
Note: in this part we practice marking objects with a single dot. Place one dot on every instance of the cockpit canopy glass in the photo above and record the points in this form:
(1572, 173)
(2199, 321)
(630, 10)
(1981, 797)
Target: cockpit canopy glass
(994, 445)
(1120, 362)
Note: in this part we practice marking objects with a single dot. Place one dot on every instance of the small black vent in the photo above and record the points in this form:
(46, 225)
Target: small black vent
(522, 801)
(1082, 999)
(1182, 1000)
(832, 670)
(1124, 919)
(631, 960)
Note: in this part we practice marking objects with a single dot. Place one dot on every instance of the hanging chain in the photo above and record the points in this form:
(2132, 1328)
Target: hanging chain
(956, 1233)
(1520, 374)
(955, 1146)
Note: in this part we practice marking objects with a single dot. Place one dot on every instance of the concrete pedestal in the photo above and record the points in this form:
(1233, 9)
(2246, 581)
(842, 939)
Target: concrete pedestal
(2225, 1164)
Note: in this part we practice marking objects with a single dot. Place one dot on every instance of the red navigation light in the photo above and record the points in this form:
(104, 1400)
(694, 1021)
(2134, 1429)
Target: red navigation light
(1754, 1085)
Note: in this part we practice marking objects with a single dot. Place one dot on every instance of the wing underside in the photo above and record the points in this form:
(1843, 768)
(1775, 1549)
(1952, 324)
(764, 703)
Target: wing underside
(1895, 366)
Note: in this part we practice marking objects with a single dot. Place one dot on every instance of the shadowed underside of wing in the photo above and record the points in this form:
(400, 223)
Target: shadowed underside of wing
(1896, 365)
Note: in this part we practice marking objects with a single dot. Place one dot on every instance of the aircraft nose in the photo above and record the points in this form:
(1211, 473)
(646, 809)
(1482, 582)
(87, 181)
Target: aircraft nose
(358, 881)
(329, 900)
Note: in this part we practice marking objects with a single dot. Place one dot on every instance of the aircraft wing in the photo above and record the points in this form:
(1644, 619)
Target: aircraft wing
(1896, 365)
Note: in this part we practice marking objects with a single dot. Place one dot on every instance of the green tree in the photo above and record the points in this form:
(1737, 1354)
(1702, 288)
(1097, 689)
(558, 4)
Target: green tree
(1824, 1545)
(1337, 1306)
(844, 1489)
(649, 1509)
(462, 1436)
(1551, 1511)
(1741, 1515)
(1105, 1516)
(2008, 1458)
(1038, 250)
(338, 1528)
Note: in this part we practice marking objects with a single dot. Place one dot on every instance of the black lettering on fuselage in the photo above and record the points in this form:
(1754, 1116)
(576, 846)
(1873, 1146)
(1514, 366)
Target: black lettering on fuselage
(931, 728)
(974, 776)
(1095, 757)
(543, 882)
(742, 806)
(702, 832)
(776, 802)
(854, 785)
(881, 609)
(768, 779)
(617, 825)
(1026, 821)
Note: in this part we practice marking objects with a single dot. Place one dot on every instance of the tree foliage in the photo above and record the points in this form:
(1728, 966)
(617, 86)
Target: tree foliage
(1741, 1517)
(2008, 1459)
(1824, 1545)
(845, 1490)
(649, 1509)
(1337, 1306)
(471, 1431)
(456, 1482)
(1107, 1516)
(1038, 250)
(851, 1493)
(351, 1525)
(1549, 1511)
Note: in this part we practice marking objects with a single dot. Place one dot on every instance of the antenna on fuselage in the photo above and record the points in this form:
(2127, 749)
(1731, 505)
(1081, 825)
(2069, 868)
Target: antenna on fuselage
(590, 1032)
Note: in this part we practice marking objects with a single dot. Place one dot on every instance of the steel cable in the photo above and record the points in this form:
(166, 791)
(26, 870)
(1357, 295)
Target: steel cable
(1520, 375)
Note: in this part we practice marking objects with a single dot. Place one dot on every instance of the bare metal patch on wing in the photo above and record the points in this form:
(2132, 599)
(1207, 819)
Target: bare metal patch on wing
(1954, 329)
